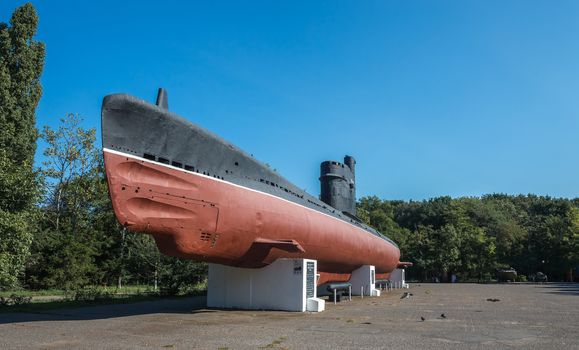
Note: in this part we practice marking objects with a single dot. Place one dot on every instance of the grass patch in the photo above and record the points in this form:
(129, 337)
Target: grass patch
(62, 304)
(32, 293)
(34, 301)
(125, 290)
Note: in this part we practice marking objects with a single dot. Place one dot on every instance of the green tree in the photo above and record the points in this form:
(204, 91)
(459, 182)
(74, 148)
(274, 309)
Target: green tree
(21, 64)
(67, 245)
(573, 241)
(72, 170)
(380, 215)
(165, 274)
(14, 247)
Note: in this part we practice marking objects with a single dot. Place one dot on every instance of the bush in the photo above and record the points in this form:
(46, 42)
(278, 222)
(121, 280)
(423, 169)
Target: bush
(14, 247)
(90, 294)
(14, 300)
(181, 277)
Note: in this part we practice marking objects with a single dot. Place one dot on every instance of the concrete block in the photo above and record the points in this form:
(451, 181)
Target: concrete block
(364, 278)
(286, 284)
(398, 278)
(315, 305)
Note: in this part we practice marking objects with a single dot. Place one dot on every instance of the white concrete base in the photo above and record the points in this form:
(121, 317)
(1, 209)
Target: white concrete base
(397, 278)
(315, 305)
(286, 284)
(363, 280)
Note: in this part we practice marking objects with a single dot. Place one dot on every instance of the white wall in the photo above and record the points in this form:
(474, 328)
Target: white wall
(362, 277)
(398, 276)
(278, 286)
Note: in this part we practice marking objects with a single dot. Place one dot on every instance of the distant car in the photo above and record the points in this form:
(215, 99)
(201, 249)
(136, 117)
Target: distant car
(507, 275)
(540, 277)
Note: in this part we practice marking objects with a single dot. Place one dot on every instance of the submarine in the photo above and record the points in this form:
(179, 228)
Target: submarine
(202, 198)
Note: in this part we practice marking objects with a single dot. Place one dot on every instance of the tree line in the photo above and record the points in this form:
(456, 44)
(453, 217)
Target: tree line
(472, 237)
(58, 230)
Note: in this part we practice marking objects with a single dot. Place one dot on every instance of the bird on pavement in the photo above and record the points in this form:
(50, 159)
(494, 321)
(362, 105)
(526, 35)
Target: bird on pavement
(442, 315)
(422, 319)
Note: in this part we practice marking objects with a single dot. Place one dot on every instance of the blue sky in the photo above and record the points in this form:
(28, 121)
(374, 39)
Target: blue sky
(433, 98)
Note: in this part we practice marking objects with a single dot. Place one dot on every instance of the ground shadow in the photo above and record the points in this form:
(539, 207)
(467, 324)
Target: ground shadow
(185, 305)
(561, 288)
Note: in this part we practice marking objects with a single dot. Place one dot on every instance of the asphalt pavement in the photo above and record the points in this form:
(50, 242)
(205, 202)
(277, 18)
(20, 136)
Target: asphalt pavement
(476, 316)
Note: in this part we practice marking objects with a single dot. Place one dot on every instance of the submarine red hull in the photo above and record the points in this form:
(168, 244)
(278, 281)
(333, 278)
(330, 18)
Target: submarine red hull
(205, 218)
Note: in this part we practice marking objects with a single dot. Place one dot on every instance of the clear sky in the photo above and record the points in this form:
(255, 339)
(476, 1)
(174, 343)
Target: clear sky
(433, 98)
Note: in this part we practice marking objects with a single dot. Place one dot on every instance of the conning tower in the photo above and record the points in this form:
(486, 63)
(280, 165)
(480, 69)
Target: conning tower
(338, 184)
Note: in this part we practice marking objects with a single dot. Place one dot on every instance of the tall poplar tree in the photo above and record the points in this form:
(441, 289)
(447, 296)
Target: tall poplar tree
(21, 63)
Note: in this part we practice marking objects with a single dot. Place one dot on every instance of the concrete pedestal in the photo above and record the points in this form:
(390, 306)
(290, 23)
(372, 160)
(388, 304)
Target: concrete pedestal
(398, 278)
(286, 284)
(364, 279)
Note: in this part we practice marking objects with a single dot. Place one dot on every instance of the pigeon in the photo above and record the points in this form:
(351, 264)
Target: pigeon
(442, 316)
(493, 300)
(422, 319)
(406, 295)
